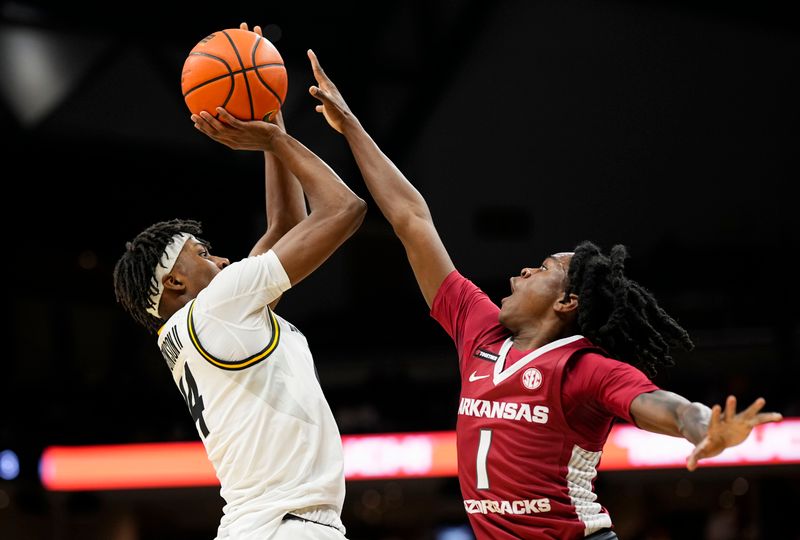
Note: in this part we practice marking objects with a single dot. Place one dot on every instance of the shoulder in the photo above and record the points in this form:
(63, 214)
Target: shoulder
(595, 361)
(453, 283)
(595, 380)
(265, 261)
(252, 282)
(595, 369)
(607, 380)
(457, 289)
(459, 301)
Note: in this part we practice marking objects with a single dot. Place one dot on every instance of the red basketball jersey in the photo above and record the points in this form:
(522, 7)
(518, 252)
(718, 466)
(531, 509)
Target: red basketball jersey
(526, 467)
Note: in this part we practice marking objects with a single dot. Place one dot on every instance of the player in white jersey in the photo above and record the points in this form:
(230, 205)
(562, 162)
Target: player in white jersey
(246, 374)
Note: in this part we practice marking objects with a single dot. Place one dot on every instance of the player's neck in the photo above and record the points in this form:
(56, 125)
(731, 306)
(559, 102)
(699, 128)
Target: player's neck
(540, 334)
(172, 304)
(529, 339)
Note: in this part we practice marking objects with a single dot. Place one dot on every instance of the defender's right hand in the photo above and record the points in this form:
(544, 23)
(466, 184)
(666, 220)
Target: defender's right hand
(333, 107)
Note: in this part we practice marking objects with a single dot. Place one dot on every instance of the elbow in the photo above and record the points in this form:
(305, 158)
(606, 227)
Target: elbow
(358, 210)
(409, 224)
(345, 217)
(279, 227)
(355, 211)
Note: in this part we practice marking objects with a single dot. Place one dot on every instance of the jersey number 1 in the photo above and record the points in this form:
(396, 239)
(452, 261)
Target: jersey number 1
(483, 454)
(193, 400)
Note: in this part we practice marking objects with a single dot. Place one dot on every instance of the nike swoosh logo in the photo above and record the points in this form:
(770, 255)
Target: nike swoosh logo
(473, 377)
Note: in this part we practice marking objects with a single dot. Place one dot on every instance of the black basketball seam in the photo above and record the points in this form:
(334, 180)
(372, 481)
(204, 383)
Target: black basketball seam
(246, 82)
(231, 75)
(268, 87)
(263, 82)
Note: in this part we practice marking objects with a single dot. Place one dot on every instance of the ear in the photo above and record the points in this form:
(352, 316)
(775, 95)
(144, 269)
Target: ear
(567, 304)
(174, 281)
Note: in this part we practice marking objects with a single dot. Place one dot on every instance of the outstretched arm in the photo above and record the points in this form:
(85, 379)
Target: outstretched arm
(400, 202)
(336, 212)
(710, 430)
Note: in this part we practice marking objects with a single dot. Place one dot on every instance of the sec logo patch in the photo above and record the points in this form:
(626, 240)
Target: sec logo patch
(532, 378)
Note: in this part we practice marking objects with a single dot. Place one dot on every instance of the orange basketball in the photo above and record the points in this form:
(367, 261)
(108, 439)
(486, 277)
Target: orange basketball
(236, 69)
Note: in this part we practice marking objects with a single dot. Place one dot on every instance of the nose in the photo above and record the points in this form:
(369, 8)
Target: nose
(221, 262)
(526, 272)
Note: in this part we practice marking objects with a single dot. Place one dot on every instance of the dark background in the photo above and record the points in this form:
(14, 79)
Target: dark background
(670, 127)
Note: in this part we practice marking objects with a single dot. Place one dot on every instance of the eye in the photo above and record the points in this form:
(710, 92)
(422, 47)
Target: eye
(204, 253)
(543, 267)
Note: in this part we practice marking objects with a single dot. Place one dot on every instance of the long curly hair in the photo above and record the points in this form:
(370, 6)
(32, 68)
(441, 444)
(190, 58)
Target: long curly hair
(618, 314)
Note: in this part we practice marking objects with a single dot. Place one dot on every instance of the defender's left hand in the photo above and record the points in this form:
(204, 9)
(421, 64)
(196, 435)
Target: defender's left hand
(729, 429)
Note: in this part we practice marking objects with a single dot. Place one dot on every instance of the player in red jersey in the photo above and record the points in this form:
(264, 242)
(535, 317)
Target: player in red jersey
(540, 379)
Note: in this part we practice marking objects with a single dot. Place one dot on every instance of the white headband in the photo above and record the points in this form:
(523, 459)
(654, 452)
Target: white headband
(164, 267)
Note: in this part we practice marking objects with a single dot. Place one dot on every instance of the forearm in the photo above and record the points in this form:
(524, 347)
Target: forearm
(325, 191)
(336, 212)
(397, 198)
(710, 430)
(404, 208)
(285, 203)
(670, 414)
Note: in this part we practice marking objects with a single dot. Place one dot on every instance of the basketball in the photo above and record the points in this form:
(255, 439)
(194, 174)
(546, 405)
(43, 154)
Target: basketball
(238, 70)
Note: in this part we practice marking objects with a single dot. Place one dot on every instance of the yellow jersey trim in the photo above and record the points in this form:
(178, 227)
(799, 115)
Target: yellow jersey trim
(234, 364)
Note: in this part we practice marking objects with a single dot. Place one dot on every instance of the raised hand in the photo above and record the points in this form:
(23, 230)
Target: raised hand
(333, 107)
(729, 429)
(235, 133)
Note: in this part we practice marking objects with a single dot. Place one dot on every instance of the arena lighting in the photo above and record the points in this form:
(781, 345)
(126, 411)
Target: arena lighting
(39, 68)
(398, 455)
(9, 465)
(631, 448)
(162, 465)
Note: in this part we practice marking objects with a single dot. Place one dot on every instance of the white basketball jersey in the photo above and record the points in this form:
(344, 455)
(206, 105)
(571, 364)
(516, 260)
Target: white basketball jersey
(249, 381)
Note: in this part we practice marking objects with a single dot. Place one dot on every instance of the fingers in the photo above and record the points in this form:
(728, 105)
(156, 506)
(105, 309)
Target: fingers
(212, 127)
(201, 122)
(765, 418)
(227, 117)
(210, 120)
(256, 28)
(696, 455)
(319, 93)
(715, 414)
(314, 60)
(756, 406)
(319, 73)
(730, 407)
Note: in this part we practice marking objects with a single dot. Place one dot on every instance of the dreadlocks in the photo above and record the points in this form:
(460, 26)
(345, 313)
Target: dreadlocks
(620, 315)
(134, 273)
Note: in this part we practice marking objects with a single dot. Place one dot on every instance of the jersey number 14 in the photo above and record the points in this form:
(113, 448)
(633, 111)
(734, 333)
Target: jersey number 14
(193, 400)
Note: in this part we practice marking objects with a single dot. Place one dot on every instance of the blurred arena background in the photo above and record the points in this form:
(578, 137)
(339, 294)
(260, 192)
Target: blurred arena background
(670, 126)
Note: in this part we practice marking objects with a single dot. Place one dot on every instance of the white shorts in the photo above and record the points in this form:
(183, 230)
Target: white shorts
(295, 529)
